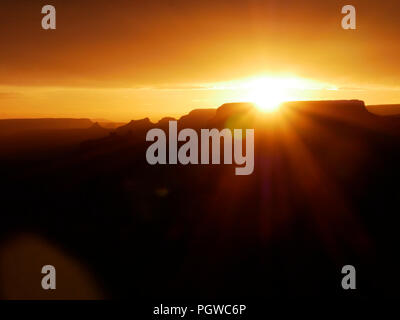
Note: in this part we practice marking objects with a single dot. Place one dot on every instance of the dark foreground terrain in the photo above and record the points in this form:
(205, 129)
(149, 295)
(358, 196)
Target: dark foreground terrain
(324, 193)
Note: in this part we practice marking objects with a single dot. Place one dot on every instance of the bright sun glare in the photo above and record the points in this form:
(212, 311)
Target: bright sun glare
(269, 93)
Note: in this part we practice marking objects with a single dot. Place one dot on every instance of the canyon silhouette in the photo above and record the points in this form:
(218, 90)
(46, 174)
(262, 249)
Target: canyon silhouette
(324, 193)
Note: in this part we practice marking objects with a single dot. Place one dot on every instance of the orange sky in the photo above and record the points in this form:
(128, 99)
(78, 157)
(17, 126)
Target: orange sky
(121, 60)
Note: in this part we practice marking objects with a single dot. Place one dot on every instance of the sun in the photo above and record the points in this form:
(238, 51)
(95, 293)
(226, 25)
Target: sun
(268, 93)
(268, 99)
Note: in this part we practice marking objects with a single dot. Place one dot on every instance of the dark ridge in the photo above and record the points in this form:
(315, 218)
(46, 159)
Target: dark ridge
(384, 109)
(164, 121)
(228, 109)
(324, 193)
(197, 118)
(96, 126)
(335, 108)
(12, 126)
(135, 125)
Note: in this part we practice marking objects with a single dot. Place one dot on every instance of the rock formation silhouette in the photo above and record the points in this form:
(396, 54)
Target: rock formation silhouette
(323, 194)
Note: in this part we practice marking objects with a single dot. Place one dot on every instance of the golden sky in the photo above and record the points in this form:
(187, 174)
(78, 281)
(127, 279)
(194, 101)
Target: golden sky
(123, 60)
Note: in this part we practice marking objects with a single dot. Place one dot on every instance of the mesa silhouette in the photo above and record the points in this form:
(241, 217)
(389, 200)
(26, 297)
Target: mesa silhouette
(323, 194)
